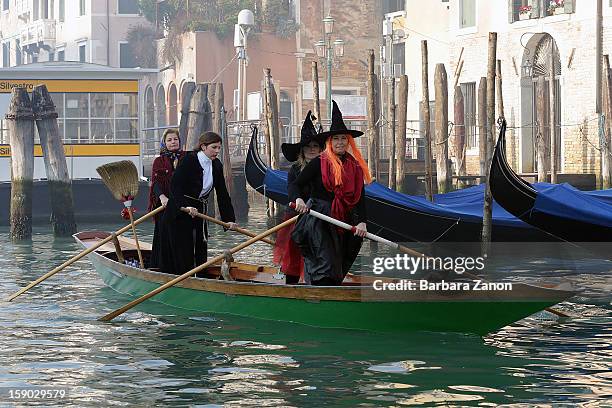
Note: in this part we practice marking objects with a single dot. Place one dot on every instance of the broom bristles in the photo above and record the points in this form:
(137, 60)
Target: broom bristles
(121, 178)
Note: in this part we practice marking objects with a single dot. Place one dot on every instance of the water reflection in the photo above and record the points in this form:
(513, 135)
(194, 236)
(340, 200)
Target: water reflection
(157, 355)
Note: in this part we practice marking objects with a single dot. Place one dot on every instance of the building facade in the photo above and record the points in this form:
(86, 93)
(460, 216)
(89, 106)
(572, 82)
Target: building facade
(530, 34)
(67, 30)
(358, 25)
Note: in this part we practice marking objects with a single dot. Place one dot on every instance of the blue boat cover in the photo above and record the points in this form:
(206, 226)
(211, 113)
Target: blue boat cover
(558, 199)
(563, 200)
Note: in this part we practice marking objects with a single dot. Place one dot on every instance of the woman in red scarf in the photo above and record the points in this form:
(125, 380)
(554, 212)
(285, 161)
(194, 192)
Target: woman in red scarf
(336, 183)
(163, 167)
(286, 252)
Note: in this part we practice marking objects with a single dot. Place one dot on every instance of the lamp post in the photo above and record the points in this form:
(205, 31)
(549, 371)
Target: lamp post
(326, 49)
(246, 20)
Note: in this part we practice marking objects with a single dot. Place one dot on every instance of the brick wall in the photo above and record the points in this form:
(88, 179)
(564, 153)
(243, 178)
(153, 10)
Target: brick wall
(358, 23)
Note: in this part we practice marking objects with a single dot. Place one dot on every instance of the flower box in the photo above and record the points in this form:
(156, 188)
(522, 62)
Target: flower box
(558, 10)
(524, 16)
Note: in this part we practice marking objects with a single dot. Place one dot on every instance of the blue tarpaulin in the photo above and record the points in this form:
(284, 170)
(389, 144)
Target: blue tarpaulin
(467, 204)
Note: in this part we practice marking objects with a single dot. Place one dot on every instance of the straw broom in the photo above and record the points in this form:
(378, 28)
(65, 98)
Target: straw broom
(121, 178)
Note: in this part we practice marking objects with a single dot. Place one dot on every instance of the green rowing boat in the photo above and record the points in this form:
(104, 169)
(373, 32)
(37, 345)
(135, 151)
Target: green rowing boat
(260, 292)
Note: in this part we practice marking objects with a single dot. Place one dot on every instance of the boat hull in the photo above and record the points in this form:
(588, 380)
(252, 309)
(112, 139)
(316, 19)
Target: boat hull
(333, 307)
(520, 198)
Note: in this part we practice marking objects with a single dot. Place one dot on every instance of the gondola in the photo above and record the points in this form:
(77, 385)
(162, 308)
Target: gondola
(404, 218)
(560, 210)
(260, 292)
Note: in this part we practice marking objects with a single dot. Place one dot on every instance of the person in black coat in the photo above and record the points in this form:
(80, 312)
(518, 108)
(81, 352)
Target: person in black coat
(184, 237)
(286, 252)
(161, 173)
(336, 184)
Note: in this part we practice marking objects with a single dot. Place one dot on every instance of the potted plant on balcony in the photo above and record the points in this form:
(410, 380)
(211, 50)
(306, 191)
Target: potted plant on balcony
(524, 12)
(556, 7)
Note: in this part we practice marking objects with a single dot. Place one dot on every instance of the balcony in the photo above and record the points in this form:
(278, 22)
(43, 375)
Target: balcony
(40, 33)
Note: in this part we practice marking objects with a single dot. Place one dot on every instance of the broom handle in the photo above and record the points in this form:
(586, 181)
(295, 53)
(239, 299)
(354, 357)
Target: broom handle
(82, 254)
(136, 238)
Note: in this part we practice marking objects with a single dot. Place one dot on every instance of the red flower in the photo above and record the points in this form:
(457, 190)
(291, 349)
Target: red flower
(125, 214)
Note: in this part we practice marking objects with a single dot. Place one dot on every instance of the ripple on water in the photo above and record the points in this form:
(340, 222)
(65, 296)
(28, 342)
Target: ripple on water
(401, 367)
(155, 355)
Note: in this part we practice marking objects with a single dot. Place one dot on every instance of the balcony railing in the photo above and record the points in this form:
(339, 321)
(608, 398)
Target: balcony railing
(40, 31)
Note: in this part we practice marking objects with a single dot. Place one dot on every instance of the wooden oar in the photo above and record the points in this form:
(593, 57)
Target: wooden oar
(187, 274)
(121, 178)
(83, 253)
(369, 235)
(227, 226)
(396, 246)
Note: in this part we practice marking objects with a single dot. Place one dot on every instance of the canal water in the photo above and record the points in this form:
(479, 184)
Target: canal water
(155, 355)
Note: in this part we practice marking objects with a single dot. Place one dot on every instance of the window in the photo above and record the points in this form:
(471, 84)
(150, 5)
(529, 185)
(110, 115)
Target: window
(126, 57)
(60, 55)
(467, 13)
(17, 53)
(44, 9)
(469, 114)
(35, 10)
(399, 58)
(81, 7)
(391, 6)
(126, 105)
(5, 4)
(51, 56)
(82, 53)
(127, 7)
(6, 57)
(62, 10)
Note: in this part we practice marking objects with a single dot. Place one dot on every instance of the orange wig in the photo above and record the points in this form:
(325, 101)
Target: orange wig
(336, 164)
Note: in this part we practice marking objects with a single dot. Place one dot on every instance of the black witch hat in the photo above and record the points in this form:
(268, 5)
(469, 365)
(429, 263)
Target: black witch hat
(337, 125)
(291, 151)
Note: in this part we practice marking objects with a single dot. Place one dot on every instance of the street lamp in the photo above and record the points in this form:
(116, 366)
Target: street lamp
(326, 49)
(246, 20)
(527, 69)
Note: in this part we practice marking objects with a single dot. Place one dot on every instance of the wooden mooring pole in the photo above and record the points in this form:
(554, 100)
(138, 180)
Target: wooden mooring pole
(401, 133)
(20, 124)
(187, 93)
(605, 145)
(487, 214)
(482, 127)
(426, 119)
(373, 114)
(272, 129)
(315, 91)
(443, 175)
(552, 119)
(391, 133)
(459, 129)
(60, 186)
(199, 107)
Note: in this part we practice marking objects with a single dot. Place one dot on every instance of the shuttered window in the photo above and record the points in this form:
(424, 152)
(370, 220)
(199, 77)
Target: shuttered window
(469, 108)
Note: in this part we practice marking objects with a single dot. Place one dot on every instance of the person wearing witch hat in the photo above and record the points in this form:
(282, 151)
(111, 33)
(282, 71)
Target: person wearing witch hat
(336, 181)
(170, 154)
(286, 252)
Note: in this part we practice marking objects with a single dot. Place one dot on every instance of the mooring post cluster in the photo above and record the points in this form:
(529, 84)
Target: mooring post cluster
(22, 114)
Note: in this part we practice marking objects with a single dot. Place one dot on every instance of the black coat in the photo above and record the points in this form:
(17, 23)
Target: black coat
(183, 241)
(328, 254)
